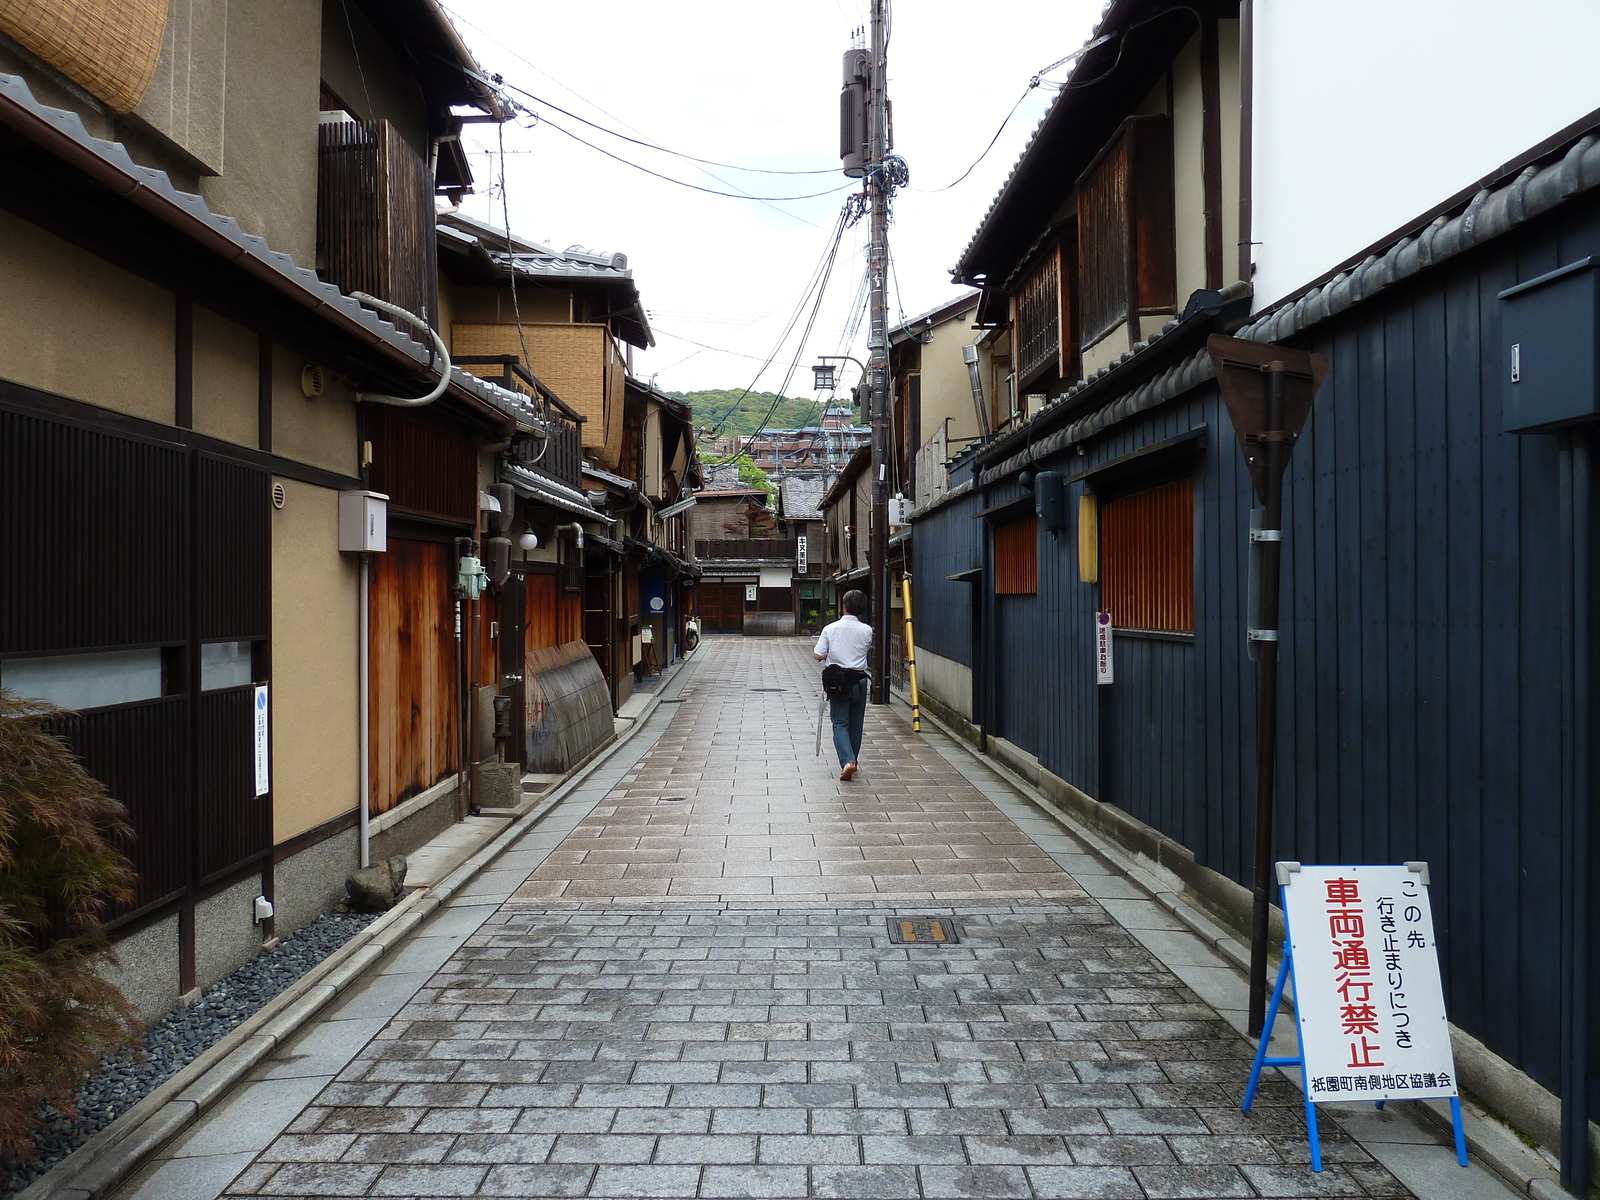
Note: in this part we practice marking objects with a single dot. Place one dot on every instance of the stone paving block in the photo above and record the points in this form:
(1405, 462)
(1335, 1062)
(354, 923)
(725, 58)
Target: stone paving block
(814, 1151)
(885, 1182)
(983, 1182)
(1085, 1183)
(1192, 1183)
(529, 1180)
(646, 1181)
(754, 1183)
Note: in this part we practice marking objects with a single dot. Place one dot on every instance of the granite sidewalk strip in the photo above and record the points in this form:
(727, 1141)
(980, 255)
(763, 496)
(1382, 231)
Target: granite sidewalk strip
(691, 992)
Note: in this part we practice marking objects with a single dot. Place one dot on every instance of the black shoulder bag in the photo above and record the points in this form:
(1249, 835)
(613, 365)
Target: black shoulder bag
(837, 681)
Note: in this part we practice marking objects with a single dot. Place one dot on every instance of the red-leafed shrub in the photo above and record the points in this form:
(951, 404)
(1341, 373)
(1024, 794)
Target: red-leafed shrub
(58, 873)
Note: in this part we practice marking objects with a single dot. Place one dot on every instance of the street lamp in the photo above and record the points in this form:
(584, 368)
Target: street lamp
(823, 371)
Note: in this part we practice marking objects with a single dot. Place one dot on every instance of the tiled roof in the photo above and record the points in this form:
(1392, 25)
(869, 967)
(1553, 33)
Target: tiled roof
(1490, 213)
(154, 189)
(531, 260)
(802, 497)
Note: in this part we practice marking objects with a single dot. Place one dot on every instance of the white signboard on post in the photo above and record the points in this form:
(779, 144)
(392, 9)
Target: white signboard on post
(1366, 983)
(1103, 672)
(263, 769)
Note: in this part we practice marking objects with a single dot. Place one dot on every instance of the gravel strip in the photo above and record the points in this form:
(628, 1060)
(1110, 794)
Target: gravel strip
(178, 1039)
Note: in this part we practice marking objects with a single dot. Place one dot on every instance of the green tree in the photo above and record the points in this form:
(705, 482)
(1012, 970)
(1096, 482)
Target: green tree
(58, 874)
(713, 405)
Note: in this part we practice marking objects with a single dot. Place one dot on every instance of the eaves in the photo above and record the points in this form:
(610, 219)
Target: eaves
(1119, 394)
(217, 244)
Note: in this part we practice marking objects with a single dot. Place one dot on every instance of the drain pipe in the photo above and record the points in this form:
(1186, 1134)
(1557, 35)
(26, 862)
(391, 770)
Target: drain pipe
(363, 814)
(438, 355)
(577, 531)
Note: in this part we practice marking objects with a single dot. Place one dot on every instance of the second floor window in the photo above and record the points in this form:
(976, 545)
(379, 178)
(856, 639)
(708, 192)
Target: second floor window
(1039, 318)
(1126, 251)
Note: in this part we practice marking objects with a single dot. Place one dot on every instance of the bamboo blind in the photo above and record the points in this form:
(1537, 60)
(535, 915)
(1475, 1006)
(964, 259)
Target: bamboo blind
(111, 47)
(1016, 558)
(1147, 559)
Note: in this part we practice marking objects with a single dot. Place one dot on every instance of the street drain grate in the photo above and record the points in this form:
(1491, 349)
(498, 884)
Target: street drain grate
(670, 799)
(767, 689)
(923, 931)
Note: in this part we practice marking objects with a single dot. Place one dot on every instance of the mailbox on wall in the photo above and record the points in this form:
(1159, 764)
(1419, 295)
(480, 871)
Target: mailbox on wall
(363, 521)
(1548, 336)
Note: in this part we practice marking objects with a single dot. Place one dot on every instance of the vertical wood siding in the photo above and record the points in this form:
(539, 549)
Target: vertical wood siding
(1147, 558)
(424, 471)
(94, 538)
(543, 612)
(947, 541)
(415, 728)
(1421, 708)
(1016, 557)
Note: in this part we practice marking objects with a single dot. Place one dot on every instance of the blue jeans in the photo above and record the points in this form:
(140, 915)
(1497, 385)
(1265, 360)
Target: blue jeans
(849, 714)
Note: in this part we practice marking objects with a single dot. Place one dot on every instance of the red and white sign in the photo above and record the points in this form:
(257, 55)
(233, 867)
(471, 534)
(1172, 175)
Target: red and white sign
(1366, 983)
(1103, 672)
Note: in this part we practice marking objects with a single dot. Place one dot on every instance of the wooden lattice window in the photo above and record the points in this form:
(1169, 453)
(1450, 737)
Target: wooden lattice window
(1016, 558)
(1126, 246)
(1147, 558)
(1039, 318)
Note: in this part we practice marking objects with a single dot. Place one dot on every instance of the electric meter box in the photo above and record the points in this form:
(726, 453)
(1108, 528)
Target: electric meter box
(1548, 338)
(363, 521)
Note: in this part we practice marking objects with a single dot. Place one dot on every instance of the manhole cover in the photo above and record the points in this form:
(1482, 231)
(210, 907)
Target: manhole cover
(670, 800)
(923, 931)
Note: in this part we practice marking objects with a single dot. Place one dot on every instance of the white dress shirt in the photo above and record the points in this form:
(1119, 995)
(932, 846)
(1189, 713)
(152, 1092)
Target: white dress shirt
(845, 643)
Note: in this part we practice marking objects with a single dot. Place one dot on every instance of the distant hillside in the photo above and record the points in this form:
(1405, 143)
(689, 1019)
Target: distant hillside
(711, 405)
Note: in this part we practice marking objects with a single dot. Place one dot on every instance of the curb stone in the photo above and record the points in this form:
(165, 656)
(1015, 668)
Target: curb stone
(98, 1167)
(1493, 1143)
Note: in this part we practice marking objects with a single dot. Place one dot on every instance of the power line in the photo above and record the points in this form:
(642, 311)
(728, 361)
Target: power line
(1013, 112)
(648, 145)
(816, 275)
(546, 122)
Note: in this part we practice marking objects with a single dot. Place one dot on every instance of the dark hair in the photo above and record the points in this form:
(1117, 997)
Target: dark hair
(855, 603)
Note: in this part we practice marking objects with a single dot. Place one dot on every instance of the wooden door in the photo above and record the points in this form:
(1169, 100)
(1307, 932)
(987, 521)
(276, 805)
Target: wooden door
(412, 681)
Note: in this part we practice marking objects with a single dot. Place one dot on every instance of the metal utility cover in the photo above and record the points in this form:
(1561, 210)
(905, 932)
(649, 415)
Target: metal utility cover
(923, 931)
(1241, 374)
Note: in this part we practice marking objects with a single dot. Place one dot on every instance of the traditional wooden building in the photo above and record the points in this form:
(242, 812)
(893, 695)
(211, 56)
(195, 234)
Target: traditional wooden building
(1427, 514)
(183, 404)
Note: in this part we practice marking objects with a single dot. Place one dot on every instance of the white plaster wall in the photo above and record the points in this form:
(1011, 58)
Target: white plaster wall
(1370, 112)
(946, 680)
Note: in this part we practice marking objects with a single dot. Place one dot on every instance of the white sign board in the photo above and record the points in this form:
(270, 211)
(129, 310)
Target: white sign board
(263, 774)
(1366, 983)
(1103, 672)
(750, 593)
(800, 555)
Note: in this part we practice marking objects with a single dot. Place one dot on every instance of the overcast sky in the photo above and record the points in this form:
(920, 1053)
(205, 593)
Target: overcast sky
(754, 84)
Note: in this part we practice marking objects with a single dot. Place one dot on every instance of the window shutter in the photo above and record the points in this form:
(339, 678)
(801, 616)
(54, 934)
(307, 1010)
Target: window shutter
(1147, 559)
(1016, 558)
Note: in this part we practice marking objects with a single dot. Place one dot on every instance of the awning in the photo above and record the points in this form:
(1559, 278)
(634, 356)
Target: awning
(548, 491)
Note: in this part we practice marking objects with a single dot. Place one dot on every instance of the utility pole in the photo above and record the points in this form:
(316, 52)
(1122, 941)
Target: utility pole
(878, 189)
(865, 150)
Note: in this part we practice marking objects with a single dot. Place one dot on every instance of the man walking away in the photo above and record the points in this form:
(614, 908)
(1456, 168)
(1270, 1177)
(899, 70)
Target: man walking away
(842, 649)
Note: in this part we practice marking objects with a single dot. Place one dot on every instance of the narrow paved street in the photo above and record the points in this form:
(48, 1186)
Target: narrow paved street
(695, 994)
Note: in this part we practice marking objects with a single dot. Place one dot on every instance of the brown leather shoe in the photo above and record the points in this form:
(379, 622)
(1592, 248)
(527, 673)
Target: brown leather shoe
(848, 772)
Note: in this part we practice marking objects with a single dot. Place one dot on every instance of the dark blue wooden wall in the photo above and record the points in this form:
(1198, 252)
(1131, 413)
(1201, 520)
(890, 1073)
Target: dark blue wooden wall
(941, 606)
(1421, 712)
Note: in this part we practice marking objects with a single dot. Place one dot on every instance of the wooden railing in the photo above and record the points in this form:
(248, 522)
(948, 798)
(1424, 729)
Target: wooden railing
(745, 548)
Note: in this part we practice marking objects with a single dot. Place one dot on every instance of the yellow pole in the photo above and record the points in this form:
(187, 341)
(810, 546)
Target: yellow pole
(911, 657)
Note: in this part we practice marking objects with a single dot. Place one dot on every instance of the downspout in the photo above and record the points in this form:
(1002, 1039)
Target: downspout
(577, 532)
(1247, 34)
(364, 770)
